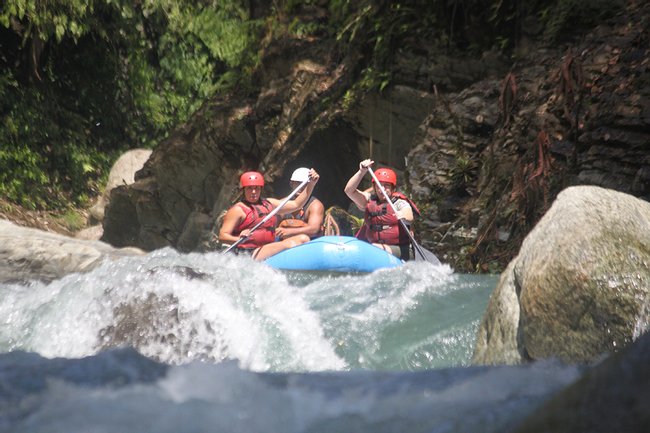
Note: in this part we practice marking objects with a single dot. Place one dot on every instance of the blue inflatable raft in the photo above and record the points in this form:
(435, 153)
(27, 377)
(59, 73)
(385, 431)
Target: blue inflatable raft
(334, 253)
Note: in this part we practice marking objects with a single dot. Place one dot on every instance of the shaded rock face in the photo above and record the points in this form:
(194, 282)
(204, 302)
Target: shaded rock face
(191, 170)
(580, 285)
(443, 162)
(334, 153)
(492, 156)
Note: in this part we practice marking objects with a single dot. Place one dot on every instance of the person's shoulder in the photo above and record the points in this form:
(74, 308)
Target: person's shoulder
(239, 205)
(237, 209)
(315, 206)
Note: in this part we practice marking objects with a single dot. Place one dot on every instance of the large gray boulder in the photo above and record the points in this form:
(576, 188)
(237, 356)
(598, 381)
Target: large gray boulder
(31, 254)
(122, 173)
(580, 285)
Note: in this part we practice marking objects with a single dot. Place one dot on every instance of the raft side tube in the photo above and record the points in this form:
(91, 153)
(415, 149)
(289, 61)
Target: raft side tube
(334, 253)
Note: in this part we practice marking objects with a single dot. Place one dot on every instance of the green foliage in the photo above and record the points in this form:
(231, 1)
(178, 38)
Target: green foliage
(84, 80)
(72, 220)
(45, 164)
(192, 47)
(372, 78)
(383, 28)
(462, 172)
(366, 23)
(301, 29)
(349, 99)
(44, 20)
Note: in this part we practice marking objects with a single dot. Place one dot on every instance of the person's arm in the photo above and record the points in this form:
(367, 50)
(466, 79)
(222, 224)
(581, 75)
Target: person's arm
(231, 220)
(359, 198)
(404, 210)
(315, 216)
(301, 199)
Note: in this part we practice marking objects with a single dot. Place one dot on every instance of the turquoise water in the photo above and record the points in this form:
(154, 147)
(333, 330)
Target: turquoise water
(416, 318)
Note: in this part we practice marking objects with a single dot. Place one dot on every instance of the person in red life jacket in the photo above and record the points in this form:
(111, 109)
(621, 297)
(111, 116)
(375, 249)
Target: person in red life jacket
(307, 220)
(252, 209)
(381, 226)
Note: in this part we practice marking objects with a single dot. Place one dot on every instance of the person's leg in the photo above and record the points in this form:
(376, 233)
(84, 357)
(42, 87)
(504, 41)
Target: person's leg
(395, 250)
(275, 247)
(388, 248)
(400, 251)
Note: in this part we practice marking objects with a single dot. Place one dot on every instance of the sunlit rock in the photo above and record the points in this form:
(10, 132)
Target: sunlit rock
(31, 254)
(580, 286)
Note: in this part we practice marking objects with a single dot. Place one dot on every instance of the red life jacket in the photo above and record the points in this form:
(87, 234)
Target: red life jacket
(255, 213)
(381, 225)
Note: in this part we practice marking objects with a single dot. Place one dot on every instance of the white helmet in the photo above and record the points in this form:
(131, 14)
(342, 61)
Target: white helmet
(300, 174)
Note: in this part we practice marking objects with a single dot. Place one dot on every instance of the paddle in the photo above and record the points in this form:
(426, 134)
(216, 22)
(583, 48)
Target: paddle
(421, 252)
(269, 216)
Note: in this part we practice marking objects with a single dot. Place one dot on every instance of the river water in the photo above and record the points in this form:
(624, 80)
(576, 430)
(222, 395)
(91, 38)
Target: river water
(173, 342)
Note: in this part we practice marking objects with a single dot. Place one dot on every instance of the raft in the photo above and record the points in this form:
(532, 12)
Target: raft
(334, 253)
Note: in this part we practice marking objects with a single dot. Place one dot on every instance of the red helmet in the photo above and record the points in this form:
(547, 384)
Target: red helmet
(386, 175)
(251, 178)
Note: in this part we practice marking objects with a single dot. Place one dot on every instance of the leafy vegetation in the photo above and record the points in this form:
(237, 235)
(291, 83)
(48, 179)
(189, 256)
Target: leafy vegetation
(83, 81)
